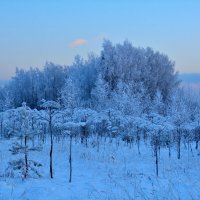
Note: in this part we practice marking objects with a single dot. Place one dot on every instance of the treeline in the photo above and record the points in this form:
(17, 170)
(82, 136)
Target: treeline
(126, 94)
(119, 70)
(33, 85)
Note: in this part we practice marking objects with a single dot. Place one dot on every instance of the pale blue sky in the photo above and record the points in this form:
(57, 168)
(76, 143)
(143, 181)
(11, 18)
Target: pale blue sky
(35, 31)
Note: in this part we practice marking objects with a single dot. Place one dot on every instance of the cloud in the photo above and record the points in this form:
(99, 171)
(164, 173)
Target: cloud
(78, 42)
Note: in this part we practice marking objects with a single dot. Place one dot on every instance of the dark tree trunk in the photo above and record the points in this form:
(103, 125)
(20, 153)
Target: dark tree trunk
(84, 135)
(51, 159)
(1, 128)
(169, 151)
(156, 154)
(179, 151)
(179, 145)
(138, 142)
(26, 157)
(156, 144)
(97, 142)
(51, 147)
(70, 159)
(197, 144)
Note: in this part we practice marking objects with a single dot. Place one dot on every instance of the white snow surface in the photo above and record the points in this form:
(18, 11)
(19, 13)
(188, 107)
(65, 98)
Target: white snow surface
(113, 172)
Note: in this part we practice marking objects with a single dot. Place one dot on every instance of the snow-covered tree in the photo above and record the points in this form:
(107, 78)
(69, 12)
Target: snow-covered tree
(99, 94)
(24, 165)
(51, 108)
(69, 95)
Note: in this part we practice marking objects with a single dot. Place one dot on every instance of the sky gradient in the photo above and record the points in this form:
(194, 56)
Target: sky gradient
(35, 31)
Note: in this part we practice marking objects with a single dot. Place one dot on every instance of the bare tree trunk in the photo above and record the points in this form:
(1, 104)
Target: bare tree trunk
(51, 147)
(51, 166)
(70, 159)
(156, 145)
(138, 140)
(179, 145)
(1, 128)
(197, 144)
(138, 143)
(97, 142)
(156, 154)
(169, 151)
(188, 148)
(179, 151)
(26, 157)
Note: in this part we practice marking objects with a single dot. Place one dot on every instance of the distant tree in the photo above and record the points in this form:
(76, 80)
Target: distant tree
(108, 65)
(69, 95)
(83, 75)
(135, 66)
(180, 115)
(54, 79)
(99, 94)
(33, 85)
(197, 136)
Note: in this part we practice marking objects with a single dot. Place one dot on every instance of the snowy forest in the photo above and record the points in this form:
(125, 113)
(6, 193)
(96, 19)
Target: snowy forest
(118, 125)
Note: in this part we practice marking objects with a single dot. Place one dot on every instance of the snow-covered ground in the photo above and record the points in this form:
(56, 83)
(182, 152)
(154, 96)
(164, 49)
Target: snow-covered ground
(115, 172)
